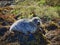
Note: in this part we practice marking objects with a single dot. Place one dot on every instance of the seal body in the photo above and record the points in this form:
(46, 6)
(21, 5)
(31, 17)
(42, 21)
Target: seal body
(24, 26)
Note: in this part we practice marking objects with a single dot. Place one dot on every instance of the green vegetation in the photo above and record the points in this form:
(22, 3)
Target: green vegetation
(40, 7)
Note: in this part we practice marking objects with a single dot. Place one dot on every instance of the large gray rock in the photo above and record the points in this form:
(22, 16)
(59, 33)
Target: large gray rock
(6, 3)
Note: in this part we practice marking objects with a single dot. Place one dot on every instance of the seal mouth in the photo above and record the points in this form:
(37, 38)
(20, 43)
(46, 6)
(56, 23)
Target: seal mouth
(38, 23)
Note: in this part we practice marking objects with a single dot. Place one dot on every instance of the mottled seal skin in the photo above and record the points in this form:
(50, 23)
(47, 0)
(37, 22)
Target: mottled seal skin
(26, 25)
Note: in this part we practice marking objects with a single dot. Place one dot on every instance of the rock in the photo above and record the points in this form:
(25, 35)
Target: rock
(2, 31)
(51, 27)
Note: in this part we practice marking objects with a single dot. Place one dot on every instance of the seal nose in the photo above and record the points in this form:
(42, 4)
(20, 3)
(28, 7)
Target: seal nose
(38, 23)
